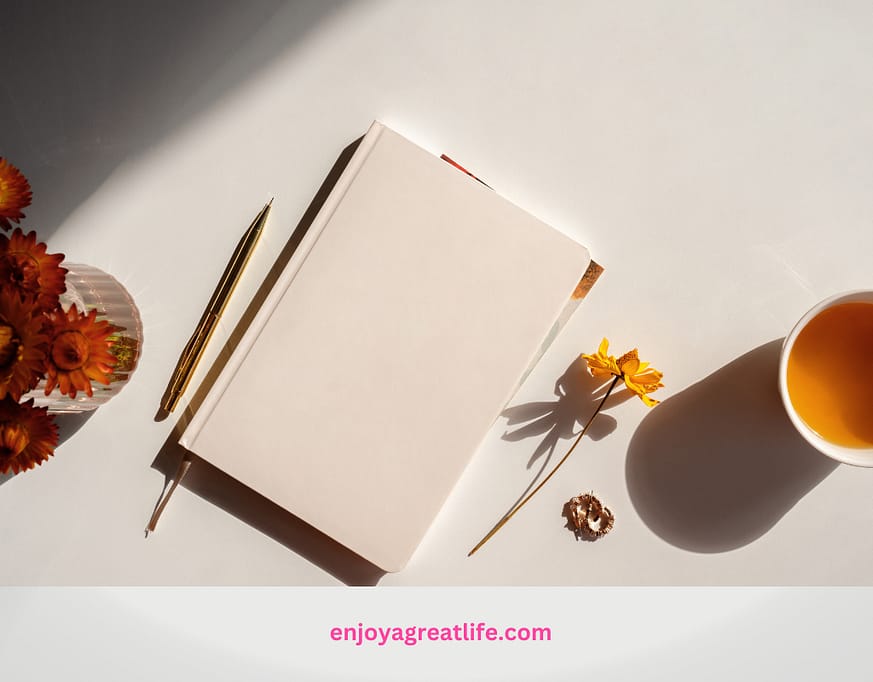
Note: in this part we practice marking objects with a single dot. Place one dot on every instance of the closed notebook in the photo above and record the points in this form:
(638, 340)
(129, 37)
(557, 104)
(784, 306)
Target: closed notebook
(398, 331)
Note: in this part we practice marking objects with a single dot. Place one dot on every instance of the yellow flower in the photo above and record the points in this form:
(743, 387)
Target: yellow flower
(638, 376)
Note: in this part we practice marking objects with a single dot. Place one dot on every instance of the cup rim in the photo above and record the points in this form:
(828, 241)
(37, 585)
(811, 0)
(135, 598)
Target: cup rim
(862, 457)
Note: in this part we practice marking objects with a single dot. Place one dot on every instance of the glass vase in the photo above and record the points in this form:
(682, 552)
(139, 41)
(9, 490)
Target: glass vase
(90, 288)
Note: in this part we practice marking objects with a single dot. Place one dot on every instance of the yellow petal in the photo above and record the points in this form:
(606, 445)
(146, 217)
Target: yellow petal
(650, 402)
(649, 378)
(601, 364)
(641, 392)
(636, 388)
(600, 372)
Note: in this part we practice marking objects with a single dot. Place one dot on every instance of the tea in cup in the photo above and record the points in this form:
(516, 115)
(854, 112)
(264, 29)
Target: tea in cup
(826, 377)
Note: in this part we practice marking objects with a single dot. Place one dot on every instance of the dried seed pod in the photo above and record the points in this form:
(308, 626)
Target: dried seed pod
(589, 516)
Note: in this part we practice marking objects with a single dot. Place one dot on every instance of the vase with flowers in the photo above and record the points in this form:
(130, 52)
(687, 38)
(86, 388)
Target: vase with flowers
(69, 336)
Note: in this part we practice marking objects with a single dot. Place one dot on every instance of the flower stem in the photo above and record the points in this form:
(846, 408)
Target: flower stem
(512, 512)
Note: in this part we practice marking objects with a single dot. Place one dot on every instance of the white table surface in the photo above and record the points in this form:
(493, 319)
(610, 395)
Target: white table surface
(716, 158)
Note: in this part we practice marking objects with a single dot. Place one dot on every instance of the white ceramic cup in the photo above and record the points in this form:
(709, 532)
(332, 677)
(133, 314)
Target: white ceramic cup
(857, 456)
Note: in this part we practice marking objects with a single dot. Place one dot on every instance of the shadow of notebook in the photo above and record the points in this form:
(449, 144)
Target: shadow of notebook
(382, 353)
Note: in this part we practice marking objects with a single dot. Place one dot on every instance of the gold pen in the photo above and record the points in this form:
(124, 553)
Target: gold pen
(194, 348)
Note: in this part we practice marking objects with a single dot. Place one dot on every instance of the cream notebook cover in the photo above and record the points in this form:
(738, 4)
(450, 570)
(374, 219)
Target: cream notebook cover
(394, 338)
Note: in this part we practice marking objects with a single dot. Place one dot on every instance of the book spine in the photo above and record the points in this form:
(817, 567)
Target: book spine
(189, 436)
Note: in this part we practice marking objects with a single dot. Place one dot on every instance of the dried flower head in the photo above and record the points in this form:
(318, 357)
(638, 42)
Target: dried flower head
(23, 345)
(79, 351)
(27, 270)
(638, 376)
(14, 194)
(590, 516)
(28, 435)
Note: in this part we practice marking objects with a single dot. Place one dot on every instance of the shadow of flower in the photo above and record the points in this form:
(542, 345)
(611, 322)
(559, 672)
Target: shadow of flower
(578, 394)
(716, 466)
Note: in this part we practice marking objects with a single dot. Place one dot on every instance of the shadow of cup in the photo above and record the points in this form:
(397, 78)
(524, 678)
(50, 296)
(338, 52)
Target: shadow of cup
(716, 466)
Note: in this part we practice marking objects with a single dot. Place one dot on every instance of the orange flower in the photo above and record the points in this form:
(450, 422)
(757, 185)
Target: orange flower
(27, 269)
(23, 345)
(79, 352)
(28, 435)
(14, 194)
